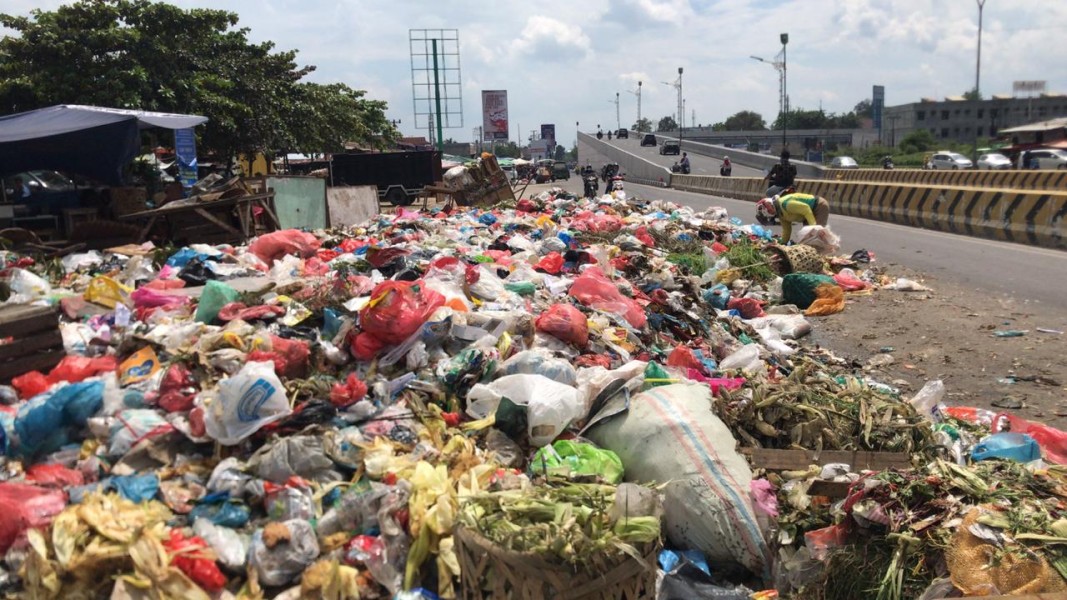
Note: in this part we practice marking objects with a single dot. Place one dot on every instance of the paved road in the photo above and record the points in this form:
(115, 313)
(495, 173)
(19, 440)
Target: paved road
(700, 165)
(1024, 273)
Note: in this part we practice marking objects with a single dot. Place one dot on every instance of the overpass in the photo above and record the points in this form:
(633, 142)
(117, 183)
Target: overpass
(1015, 206)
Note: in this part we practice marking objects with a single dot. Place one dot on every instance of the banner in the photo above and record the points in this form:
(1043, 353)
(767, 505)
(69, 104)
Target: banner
(877, 105)
(494, 115)
(185, 150)
(548, 132)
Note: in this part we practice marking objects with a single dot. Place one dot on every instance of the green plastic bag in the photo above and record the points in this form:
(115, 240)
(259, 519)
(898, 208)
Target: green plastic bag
(522, 288)
(799, 288)
(215, 295)
(570, 459)
(657, 374)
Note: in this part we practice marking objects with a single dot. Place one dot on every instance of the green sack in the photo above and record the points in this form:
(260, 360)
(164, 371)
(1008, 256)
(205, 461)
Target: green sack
(799, 288)
(215, 295)
(569, 459)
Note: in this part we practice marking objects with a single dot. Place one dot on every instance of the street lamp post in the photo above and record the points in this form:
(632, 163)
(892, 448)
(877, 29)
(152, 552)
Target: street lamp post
(977, 75)
(785, 91)
(681, 109)
(779, 65)
(618, 121)
(638, 94)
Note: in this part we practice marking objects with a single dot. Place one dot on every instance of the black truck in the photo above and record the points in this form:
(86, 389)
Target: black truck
(399, 176)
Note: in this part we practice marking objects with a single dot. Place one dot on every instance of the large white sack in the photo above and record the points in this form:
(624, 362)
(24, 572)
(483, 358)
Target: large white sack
(670, 434)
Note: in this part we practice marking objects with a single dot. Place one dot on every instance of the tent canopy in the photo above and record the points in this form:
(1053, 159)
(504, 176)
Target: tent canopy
(89, 140)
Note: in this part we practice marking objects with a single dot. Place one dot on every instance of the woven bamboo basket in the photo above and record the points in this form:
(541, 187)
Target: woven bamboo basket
(490, 572)
(795, 259)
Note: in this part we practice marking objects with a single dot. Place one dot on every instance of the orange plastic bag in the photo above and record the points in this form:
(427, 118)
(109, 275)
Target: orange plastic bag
(594, 289)
(564, 322)
(77, 368)
(272, 246)
(829, 300)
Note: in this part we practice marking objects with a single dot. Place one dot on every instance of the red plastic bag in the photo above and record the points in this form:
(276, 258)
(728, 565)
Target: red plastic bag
(26, 507)
(77, 368)
(397, 309)
(146, 297)
(593, 288)
(30, 384)
(849, 282)
(193, 556)
(641, 233)
(237, 310)
(366, 347)
(349, 392)
(54, 476)
(564, 322)
(821, 541)
(551, 263)
(272, 246)
(177, 391)
(294, 354)
(682, 356)
(1053, 441)
(750, 308)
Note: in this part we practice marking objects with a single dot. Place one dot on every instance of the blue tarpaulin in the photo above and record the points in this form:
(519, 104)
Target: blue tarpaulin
(92, 141)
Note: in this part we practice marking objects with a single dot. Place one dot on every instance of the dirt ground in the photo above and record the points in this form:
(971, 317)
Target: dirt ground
(948, 334)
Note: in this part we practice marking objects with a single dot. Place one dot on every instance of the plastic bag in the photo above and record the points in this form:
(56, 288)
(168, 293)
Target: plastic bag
(230, 547)
(349, 392)
(272, 246)
(282, 551)
(299, 455)
(747, 358)
(25, 507)
(829, 300)
(551, 406)
(290, 357)
(220, 510)
(140, 366)
(177, 391)
(569, 458)
(397, 309)
(245, 403)
(849, 281)
(1053, 441)
(78, 368)
(539, 362)
(136, 488)
(550, 263)
(146, 297)
(215, 295)
(564, 322)
(294, 500)
(54, 476)
(927, 400)
(192, 556)
(30, 384)
(26, 287)
(133, 425)
(820, 238)
(107, 292)
(40, 423)
(593, 288)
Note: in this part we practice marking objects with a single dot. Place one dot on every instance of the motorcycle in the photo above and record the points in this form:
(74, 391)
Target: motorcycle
(600, 135)
(592, 184)
(725, 170)
(887, 164)
(678, 167)
(614, 184)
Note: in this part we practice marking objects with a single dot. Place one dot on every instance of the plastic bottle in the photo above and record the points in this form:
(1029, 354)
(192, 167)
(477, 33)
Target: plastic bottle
(1012, 446)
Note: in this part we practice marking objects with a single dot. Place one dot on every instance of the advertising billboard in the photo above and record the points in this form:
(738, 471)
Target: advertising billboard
(494, 115)
(877, 105)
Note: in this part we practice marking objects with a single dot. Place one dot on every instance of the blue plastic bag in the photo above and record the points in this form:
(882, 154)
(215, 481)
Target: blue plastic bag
(220, 510)
(184, 256)
(136, 488)
(41, 423)
(1012, 446)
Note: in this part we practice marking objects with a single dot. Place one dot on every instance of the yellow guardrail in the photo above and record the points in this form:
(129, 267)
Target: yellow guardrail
(1014, 179)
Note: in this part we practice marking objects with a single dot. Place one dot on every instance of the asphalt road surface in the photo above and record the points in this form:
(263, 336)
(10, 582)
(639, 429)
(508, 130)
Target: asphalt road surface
(699, 165)
(1028, 275)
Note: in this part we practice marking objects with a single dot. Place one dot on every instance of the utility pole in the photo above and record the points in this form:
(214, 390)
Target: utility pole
(638, 94)
(785, 91)
(677, 85)
(977, 75)
(618, 121)
(783, 103)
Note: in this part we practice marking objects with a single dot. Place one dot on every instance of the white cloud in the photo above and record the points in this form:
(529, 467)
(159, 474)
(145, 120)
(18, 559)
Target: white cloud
(545, 38)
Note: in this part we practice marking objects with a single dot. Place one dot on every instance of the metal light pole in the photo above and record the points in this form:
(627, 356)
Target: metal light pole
(785, 90)
(638, 94)
(681, 110)
(977, 75)
(779, 65)
(618, 121)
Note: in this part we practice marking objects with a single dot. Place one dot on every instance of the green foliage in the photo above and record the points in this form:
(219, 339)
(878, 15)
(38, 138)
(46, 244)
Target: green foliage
(817, 119)
(572, 154)
(864, 109)
(561, 152)
(642, 126)
(972, 94)
(920, 140)
(667, 124)
(745, 120)
(146, 55)
(507, 150)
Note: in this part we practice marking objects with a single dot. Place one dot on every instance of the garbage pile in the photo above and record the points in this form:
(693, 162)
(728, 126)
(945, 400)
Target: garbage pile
(417, 406)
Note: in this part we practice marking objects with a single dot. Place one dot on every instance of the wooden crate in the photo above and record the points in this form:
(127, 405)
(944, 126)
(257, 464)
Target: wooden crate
(31, 340)
(128, 200)
(798, 460)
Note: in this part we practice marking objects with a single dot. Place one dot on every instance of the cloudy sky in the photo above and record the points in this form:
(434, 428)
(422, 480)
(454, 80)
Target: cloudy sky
(563, 62)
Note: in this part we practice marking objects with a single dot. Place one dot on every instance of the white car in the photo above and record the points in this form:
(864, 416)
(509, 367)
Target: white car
(844, 162)
(1049, 158)
(994, 161)
(950, 160)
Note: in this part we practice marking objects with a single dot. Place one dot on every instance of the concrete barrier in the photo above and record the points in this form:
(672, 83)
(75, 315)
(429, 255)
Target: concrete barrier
(1012, 180)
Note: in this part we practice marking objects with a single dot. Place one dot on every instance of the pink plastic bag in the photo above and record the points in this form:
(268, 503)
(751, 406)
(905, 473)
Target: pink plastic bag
(25, 507)
(849, 282)
(1053, 442)
(273, 246)
(593, 288)
(397, 309)
(146, 297)
(764, 497)
(566, 323)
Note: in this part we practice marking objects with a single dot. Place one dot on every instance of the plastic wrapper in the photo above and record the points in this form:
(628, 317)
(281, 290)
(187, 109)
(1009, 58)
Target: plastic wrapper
(572, 459)
(550, 405)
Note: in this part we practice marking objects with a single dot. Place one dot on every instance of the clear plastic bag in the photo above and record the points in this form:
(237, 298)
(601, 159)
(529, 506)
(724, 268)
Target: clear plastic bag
(245, 403)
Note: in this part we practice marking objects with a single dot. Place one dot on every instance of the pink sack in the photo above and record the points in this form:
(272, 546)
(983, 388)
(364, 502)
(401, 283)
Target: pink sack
(593, 288)
(273, 246)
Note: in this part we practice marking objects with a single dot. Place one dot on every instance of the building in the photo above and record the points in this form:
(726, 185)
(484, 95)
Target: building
(956, 119)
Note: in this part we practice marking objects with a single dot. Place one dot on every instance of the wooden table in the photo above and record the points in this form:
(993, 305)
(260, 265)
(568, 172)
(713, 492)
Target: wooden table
(215, 213)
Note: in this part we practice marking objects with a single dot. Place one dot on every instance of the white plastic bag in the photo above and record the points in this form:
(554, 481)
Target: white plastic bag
(230, 547)
(246, 402)
(929, 398)
(550, 405)
(907, 285)
(820, 238)
(746, 359)
(26, 287)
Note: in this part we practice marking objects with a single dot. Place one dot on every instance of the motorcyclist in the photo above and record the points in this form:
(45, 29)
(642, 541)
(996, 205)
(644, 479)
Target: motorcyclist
(684, 163)
(781, 176)
(727, 168)
(887, 162)
(609, 135)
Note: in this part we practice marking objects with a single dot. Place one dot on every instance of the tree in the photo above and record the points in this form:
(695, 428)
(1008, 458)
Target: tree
(864, 109)
(745, 120)
(140, 54)
(572, 154)
(667, 124)
(972, 94)
(507, 150)
(920, 140)
(643, 125)
(561, 152)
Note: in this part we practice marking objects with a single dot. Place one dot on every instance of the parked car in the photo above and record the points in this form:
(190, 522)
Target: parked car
(648, 140)
(622, 133)
(994, 161)
(1049, 158)
(946, 159)
(844, 162)
(39, 182)
(671, 147)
